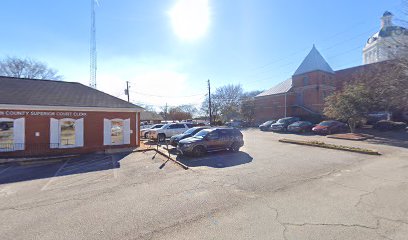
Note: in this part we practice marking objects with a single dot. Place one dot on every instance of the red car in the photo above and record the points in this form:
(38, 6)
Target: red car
(329, 127)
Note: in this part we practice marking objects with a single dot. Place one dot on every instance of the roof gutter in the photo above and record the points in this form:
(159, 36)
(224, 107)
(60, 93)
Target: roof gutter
(68, 108)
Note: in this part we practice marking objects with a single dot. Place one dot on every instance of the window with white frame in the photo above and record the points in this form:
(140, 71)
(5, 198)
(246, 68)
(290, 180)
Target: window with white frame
(12, 134)
(66, 133)
(117, 136)
(116, 132)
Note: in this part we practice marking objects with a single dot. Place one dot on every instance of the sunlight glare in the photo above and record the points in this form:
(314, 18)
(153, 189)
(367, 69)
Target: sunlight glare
(190, 18)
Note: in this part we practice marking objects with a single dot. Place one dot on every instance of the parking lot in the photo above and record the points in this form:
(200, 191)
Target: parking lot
(268, 190)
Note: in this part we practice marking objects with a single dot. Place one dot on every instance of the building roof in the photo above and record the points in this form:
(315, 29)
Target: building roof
(314, 61)
(282, 87)
(149, 115)
(387, 13)
(22, 91)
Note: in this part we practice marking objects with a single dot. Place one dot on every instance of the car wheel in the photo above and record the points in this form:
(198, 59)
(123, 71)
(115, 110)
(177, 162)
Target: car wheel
(146, 135)
(198, 151)
(234, 147)
(161, 137)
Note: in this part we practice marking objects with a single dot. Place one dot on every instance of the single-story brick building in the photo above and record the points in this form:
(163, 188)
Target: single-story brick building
(44, 117)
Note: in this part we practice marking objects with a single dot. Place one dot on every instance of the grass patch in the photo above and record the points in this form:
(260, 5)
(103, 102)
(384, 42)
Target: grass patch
(331, 146)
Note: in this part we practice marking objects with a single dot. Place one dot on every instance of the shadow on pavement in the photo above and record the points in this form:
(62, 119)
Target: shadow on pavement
(87, 163)
(391, 138)
(221, 159)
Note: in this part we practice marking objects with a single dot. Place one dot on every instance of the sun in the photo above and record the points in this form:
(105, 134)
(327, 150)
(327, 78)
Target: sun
(190, 18)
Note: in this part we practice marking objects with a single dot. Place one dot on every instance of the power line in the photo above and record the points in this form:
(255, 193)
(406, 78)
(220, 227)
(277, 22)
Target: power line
(298, 52)
(325, 40)
(162, 96)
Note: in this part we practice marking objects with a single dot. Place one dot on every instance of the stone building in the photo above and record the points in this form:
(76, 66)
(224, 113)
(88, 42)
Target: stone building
(387, 42)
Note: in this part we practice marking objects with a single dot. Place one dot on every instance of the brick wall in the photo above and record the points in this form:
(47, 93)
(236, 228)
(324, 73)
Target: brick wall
(93, 133)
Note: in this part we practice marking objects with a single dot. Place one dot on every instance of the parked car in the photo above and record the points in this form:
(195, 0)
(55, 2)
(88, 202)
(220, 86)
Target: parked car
(266, 125)
(6, 125)
(235, 124)
(208, 140)
(385, 125)
(189, 133)
(145, 132)
(300, 126)
(282, 124)
(167, 130)
(374, 117)
(329, 127)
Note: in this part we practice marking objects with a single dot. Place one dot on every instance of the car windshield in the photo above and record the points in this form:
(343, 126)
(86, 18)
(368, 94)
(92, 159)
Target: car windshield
(327, 123)
(202, 133)
(283, 120)
(268, 122)
(157, 126)
(165, 126)
(298, 123)
(190, 131)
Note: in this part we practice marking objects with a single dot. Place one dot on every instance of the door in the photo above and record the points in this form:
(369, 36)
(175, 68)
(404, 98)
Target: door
(213, 141)
(226, 138)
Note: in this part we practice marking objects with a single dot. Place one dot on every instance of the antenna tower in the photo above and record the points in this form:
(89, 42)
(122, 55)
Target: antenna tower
(92, 54)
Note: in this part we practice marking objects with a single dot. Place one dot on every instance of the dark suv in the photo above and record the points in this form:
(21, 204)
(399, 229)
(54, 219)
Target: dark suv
(282, 124)
(189, 133)
(209, 140)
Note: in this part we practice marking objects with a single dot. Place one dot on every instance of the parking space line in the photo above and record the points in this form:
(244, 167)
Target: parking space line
(56, 173)
(5, 169)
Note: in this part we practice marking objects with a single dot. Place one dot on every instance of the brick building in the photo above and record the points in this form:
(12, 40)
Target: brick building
(303, 94)
(43, 117)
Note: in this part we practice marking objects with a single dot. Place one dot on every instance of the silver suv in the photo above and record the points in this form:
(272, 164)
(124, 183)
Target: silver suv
(168, 130)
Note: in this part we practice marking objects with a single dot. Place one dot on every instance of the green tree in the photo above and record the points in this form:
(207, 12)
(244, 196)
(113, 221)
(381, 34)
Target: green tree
(350, 105)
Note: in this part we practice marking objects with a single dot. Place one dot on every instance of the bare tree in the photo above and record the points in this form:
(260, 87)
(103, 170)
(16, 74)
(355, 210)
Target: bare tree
(182, 112)
(27, 68)
(230, 102)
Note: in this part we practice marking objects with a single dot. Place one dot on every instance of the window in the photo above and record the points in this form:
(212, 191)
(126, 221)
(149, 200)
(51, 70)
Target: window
(177, 126)
(12, 134)
(213, 135)
(305, 81)
(66, 133)
(67, 136)
(6, 134)
(117, 132)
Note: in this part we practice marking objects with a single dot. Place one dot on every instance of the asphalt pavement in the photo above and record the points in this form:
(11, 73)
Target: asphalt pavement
(269, 190)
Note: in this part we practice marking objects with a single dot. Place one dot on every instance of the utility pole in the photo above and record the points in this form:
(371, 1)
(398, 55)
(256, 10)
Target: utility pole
(127, 90)
(209, 102)
(165, 113)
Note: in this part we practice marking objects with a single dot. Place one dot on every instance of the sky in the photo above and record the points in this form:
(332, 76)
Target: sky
(168, 49)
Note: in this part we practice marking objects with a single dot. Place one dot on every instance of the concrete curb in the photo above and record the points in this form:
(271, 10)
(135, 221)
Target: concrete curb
(332, 146)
